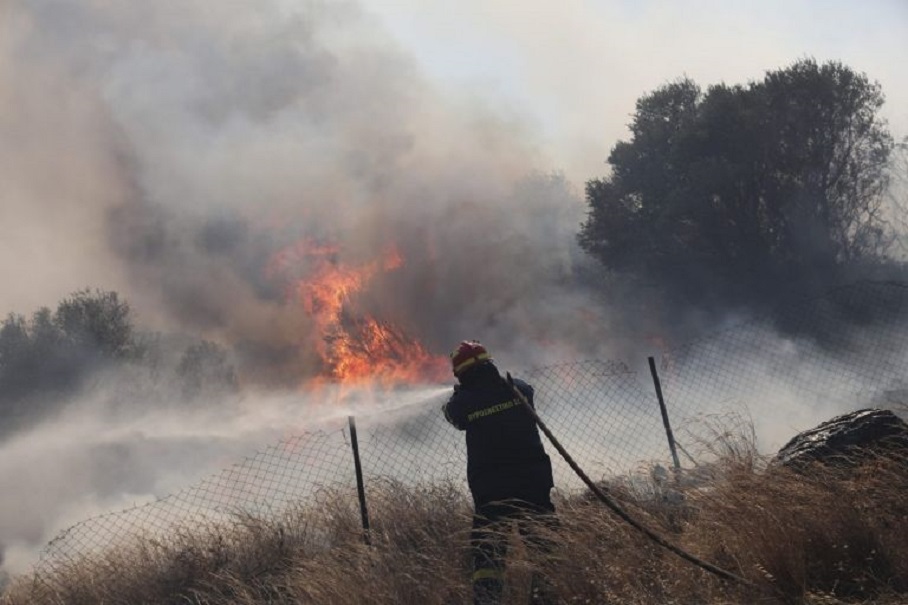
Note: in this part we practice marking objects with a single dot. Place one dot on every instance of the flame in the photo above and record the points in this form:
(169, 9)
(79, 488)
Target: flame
(354, 350)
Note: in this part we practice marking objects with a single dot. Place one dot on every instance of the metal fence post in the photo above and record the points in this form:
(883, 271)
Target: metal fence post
(360, 487)
(665, 422)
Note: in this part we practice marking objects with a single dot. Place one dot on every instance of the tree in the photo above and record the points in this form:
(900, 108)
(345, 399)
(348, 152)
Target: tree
(205, 370)
(53, 352)
(897, 206)
(17, 359)
(96, 323)
(90, 339)
(717, 194)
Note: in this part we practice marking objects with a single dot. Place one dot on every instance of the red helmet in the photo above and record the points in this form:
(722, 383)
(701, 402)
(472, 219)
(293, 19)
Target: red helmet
(467, 354)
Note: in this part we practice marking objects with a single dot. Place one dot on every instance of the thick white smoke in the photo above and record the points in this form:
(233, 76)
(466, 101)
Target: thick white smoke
(206, 141)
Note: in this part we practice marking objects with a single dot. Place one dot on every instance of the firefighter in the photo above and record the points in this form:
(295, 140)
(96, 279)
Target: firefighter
(508, 470)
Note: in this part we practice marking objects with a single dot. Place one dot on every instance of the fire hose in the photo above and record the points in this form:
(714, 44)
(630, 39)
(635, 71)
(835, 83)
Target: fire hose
(620, 512)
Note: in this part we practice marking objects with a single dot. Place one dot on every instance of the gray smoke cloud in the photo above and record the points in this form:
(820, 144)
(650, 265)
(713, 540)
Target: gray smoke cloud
(183, 147)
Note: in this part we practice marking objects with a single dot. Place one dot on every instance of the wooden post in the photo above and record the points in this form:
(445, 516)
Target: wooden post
(665, 422)
(360, 487)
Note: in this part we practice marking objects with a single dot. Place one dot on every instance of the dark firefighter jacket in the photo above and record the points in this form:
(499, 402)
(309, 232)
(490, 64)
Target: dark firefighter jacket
(505, 455)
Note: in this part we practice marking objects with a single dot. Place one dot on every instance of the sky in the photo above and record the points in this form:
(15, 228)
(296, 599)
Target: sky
(574, 68)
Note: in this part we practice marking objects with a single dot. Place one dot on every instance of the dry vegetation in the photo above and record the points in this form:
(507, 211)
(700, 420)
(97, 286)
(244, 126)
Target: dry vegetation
(831, 537)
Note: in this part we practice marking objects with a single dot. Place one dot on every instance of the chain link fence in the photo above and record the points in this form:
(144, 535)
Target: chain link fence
(788, 371)
(263, 485)
(792, 369)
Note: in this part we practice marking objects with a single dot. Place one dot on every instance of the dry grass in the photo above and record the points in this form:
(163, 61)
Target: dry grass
(831, 537)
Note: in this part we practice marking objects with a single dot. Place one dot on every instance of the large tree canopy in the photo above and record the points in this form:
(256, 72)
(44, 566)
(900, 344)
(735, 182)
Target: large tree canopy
(717, 194)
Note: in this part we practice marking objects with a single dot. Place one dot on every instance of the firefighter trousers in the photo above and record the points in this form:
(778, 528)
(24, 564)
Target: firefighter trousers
(489, 542)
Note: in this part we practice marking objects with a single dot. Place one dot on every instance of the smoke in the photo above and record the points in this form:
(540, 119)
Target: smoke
(187, 148)
(59, 171)
(96, 457)
(577, 67)
(170, 151)
(86, 463)
(205, 144)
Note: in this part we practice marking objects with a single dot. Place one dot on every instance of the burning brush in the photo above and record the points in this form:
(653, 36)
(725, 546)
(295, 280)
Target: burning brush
(355, 349)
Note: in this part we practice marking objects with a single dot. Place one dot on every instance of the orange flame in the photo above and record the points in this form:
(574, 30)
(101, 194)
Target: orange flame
(354, 350)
